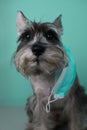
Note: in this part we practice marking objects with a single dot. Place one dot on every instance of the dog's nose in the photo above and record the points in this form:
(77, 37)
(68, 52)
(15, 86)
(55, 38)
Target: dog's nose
(38, 49)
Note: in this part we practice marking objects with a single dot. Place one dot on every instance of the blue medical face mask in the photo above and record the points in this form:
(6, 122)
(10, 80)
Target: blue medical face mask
(65, 81)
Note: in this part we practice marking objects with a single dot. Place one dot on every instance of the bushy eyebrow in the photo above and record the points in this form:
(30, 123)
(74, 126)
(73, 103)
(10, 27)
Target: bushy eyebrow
(26, 31)
(38, 27)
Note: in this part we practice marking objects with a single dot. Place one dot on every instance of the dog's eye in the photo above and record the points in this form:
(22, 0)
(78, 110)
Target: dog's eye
(27, 36)
(51, 35)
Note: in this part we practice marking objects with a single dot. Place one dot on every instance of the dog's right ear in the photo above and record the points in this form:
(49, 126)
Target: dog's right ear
(58, 24)
(21, 22)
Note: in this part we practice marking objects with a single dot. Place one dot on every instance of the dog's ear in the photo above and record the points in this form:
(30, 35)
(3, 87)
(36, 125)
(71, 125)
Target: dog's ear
(58, 23)
(21, 22)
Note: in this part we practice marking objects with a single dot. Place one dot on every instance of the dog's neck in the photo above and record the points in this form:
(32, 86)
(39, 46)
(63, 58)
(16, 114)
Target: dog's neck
(42, 84)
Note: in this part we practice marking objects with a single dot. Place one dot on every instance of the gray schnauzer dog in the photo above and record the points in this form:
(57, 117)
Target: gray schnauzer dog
(40, 55)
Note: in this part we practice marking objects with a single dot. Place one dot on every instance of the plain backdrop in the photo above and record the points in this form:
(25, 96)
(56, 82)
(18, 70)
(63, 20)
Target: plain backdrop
(14, 89)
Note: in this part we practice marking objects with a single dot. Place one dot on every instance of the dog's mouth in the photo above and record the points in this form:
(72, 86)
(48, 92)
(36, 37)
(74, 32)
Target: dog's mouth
(45, 65)
(36, 60)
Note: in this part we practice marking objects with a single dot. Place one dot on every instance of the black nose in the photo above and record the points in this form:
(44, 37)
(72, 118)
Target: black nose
(38, 49)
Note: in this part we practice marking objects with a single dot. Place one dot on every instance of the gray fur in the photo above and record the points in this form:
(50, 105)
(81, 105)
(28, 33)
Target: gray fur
(40, 54)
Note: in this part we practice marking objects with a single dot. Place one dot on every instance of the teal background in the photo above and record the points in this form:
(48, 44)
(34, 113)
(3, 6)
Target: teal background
(14, 89)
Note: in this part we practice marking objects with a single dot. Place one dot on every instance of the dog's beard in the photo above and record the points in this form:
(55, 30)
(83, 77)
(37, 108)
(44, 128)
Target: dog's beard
(52, 60)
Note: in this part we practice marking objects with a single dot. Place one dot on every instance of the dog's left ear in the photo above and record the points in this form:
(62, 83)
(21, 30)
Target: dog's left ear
(58, 23)
(21, 22)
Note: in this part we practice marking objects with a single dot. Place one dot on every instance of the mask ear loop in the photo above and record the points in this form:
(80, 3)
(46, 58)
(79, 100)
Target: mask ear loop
(51, 101)
(56, 86)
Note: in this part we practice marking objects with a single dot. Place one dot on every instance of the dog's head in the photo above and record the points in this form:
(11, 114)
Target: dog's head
(40, 49)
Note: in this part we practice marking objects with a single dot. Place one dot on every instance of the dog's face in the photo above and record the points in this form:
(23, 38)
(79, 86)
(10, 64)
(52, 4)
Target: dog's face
(40, 49)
